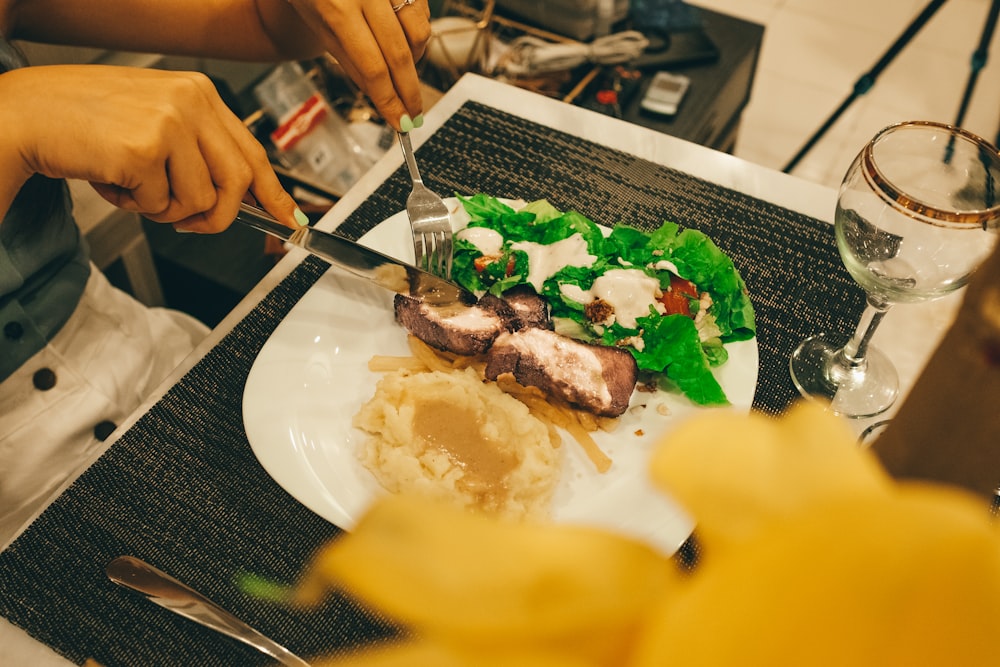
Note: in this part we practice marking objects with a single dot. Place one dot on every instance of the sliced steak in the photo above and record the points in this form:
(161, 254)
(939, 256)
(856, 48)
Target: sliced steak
(519, 307)
(501, 309)
(531, 309)
(595, 378)
(465, 330)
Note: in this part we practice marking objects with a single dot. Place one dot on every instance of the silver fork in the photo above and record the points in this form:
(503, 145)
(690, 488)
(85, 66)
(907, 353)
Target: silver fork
(429, 219)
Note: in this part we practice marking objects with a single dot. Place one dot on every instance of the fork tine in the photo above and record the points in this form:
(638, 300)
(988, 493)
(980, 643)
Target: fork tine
(424, 245)
(445, 255)
(434, 257)
(430, 221)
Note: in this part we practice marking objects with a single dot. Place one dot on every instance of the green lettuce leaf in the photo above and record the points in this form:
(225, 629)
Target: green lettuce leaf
(699, 260)
(482, 207)
(671, 345)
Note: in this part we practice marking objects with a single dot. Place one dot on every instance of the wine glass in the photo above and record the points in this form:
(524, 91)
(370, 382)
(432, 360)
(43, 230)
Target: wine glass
(918, 211)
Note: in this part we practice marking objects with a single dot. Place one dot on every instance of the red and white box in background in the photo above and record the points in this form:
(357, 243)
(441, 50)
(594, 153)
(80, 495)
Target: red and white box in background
(298, 125)
(310, 133)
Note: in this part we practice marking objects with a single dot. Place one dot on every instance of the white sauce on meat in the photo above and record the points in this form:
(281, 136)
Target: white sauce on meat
(465, 319)
(574, 364)
(486, 240)
(545, 260)
(630, 292)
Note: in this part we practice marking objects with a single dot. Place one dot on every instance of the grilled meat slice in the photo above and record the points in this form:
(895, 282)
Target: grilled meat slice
(530, 309)
(465, 330)
(595, 378)
(501, 309)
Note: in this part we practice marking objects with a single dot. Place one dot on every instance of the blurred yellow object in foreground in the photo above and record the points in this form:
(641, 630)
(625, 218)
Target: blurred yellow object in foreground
(810, 555)
(492, 591)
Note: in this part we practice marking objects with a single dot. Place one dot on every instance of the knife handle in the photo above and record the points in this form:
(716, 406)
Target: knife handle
(263, 221)
(165, 591)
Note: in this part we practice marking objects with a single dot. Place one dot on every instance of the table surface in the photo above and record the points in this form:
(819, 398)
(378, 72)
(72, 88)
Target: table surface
(908, 335)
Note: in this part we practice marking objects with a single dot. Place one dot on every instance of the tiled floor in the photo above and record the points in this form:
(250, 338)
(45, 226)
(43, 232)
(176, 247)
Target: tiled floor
(815, 50)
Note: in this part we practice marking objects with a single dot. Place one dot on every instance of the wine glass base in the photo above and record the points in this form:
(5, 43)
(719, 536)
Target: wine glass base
(856, 392)
(872, 433)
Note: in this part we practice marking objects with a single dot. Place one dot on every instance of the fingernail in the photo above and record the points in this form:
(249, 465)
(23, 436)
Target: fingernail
(405, 123)
(181, 230)
(418, 121)
(301, 217)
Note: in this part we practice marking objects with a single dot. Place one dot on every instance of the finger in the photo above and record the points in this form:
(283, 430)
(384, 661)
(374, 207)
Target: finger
(145, 189)
(346, 35)
(231, 177)
(116, 195)
(192, 189)
(413, 19)
(389, 74)
(372, 73)
(264, 183)
(238, 163)
(203, 163)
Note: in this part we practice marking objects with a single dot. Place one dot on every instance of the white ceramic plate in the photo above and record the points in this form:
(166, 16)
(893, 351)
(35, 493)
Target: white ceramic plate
(311, 378)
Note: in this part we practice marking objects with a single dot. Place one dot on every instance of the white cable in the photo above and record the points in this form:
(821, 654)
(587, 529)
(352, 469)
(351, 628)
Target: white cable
(530, 55)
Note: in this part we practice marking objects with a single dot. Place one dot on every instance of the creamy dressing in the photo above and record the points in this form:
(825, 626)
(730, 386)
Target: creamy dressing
(666, 265)
(629, 292)
(487, 241)
(545, 260)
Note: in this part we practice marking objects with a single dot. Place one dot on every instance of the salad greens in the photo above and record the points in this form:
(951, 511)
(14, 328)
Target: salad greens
(680, 340)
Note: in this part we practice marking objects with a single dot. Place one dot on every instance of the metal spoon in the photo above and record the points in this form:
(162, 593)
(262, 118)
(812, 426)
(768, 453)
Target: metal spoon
(162, 589)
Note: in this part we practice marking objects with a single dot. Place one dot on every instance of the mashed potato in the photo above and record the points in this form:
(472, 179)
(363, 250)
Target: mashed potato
(449, 435)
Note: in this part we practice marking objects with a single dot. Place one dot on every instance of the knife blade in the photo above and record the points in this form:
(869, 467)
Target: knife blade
(162, 589)
(351, 256)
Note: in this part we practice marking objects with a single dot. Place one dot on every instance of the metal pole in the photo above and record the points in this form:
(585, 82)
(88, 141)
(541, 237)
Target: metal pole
(865, 83)
(979, 57)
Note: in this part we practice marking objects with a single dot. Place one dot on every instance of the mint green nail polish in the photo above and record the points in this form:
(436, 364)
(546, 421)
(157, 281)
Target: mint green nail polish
(181, 230)
(301, 217)
(418, 121)
(405, 123)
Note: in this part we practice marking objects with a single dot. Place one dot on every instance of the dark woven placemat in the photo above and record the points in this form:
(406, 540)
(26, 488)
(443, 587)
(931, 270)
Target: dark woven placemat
(182, 488)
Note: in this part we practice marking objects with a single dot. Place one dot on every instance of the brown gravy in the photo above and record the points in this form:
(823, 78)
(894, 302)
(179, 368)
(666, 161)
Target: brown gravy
(457, 431)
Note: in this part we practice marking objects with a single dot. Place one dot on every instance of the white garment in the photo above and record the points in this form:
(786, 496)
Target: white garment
(110, 355)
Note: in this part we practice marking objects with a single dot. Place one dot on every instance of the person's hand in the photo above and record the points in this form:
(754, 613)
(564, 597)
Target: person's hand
(161, 144)
(377, 47)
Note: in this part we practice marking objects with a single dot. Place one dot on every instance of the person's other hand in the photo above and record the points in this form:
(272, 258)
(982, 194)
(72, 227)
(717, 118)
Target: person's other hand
(161, 144)
(377, 47)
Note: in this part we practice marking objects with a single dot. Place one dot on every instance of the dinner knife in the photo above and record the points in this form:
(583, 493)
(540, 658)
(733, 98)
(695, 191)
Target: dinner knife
(343, 253)
(165, 591)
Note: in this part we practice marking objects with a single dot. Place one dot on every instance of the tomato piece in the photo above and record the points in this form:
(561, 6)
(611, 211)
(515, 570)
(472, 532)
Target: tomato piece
(675, 303)
(676, 299)
(480, 263)
(685, 286)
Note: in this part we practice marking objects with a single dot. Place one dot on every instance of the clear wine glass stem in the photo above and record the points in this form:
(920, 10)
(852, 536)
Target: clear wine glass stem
(856, 349)
(856, 379)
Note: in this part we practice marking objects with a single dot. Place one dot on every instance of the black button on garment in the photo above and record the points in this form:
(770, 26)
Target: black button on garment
(44, 379)
(13, 331)
(103, 430)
